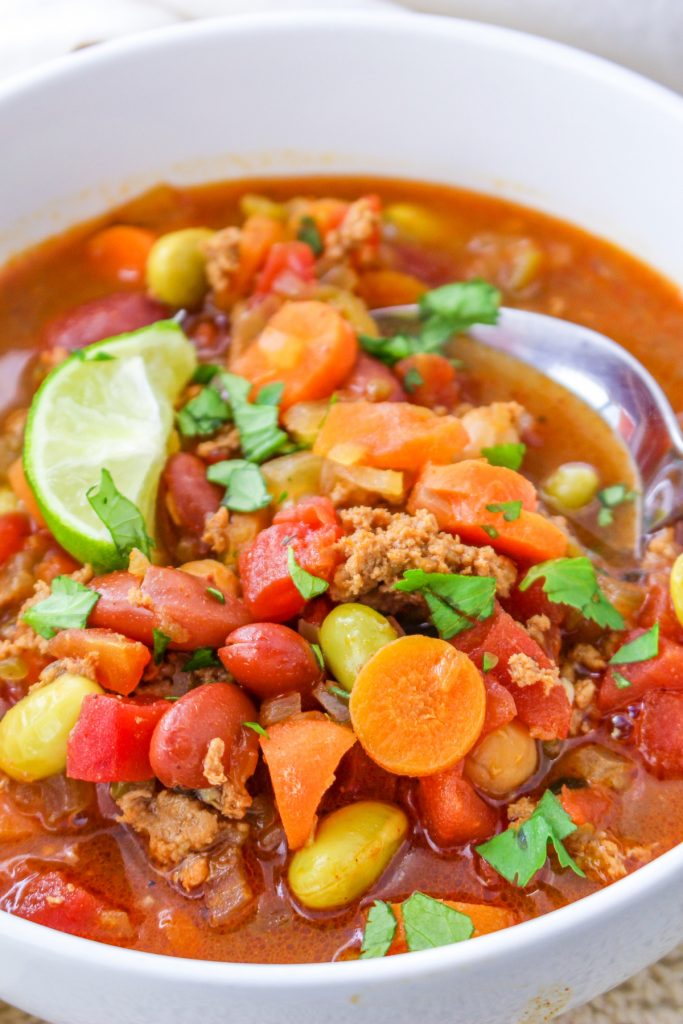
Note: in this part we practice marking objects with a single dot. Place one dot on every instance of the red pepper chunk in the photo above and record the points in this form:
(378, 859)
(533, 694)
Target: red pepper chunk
(120, 661)
(110, 741)
(659, 732)
(54, 901)
(14, 529)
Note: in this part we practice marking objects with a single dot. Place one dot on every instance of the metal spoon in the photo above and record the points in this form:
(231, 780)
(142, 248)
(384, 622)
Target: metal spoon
(605, 377)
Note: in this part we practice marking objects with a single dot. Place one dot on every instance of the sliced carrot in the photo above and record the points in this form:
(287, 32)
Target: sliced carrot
(452, 812)
(459, 496)
(389, 288)
(308, 346)
(119, 253)
(418, 706)
(119, 662)
(22, 489)
(302, 754)
(389, 435)
(484, 917)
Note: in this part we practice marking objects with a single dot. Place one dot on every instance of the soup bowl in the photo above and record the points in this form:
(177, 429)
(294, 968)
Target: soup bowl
(403, 96)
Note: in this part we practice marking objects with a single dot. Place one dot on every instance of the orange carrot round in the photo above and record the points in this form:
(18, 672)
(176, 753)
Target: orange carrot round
(119, 253)
(418, 706)
(308, 346)
(485, 918)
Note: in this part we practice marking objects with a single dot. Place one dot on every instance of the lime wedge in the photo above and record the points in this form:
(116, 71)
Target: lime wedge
(110, 406)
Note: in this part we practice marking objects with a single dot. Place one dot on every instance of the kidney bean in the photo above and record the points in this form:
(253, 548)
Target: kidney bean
(269, 659)
(190, 497)
(103, 318)
(372, 381)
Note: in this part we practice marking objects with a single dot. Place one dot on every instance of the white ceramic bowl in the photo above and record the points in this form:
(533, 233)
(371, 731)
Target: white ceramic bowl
(397, 95)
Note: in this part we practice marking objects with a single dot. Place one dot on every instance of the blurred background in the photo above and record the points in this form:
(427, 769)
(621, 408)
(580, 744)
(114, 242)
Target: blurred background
(646, 35)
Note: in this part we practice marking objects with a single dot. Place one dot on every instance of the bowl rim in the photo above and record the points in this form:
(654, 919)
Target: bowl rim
(527, 935)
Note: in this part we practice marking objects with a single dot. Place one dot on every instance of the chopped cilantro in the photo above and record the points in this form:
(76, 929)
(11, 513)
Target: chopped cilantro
(509, 455)
(258, 729)
(122, 518)
(620, 681)
(643, 648)
(610, 498)
(205, 373)
(203, 657)
(430, 923)
(309, 586)
(490, 531)
(67, 607)
(271, 394)
(204, 414)
(161, 642)
(318, 656)
(216, 594)
(573, 581)
(413, 380)
(518, 853)
(489, 661)
(246, 489)
(380, 929)
(257, 424)
(310, 234)
(338, 691)
(453, 600)
(511, 510)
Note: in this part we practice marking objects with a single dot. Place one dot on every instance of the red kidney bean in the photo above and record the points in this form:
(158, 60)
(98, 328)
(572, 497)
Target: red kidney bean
(190, 497)
(372, 381)
(103, 318)
(269, 659)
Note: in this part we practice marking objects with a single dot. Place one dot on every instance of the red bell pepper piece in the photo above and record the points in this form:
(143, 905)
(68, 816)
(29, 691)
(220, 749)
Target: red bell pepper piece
(14, 529)
(111, 739)
(52, 900)
(120, 661)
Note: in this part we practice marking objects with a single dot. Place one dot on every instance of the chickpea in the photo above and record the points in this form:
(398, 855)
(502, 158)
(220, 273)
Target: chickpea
(176, 267)
(351, 850)
(572, 485)
(349, 636)
(34, 733)
(503, 760)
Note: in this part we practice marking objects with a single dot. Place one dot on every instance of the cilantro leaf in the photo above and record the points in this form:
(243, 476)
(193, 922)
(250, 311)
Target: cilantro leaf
(309, 586)
(203, 657)
(67, 607)
(161, 642)
(216, 594)
(246, 489)
(318, 656)
(310, 234)
(453, 600)
(489, 530)
(518, 853)
(258, 729)
(205, 373)
(511, 510)
(413, 380)
(338, 691)
(271, 394)
(380, 930)
(430, 923)
(509, 455)
(122, 518)
(257, 424)
(610, 498)
(489, 661)
(621, 682)
(642, 648)
(204, 414)
(573, 581)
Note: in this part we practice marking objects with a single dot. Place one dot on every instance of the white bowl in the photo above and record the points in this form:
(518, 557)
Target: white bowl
(397, 95)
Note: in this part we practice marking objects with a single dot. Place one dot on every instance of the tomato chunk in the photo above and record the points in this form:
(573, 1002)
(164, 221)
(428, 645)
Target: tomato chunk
(111, 739)
(500, 706)
(120, 661)
(55, 901)
(663, 672)
(289, 267)
(452, 811)
(659, 732)
(14, 529)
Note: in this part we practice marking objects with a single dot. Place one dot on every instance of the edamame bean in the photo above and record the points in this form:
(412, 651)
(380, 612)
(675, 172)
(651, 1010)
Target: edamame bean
(34, 733)
(349, 636)
(352, 848)
(176, 267)
(572, 485)
(503, 760)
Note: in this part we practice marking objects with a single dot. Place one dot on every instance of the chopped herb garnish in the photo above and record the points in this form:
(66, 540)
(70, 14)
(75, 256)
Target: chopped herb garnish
(490, 531)
(67, 607)
(380, 929)
(430, 923)
(161, 642)
(257, 424)
(573, 581)
(309, 586)
(413, 380)
(643, 648)
(258, 729)
(171, 697)
(443, 312)
(509, 455)
(453, 600)
(518, 853)
(489, 661)
(216, 594)
(203, 657)
(246, 489)
(620, 681)
(310, 234)
(511, 510)
(271, 394)
(122, 518)
(205, 373)
(204, 414)
(610, 498)
(338, 691)
(318, 656)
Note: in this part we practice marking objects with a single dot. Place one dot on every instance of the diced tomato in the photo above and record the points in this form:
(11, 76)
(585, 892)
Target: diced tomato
(317, 610)
(53, 900)
(658, 607)
(589, 805)
(659, 731)
(430, 380)
(500, 706)
(14, 529)
(190, 497)
(547, 712)
(111, 739)
(313, 512)
(290, 266)
(103, 318)
(120, 661)
(55, 562)
(452, 811)
(22, 489)
(372, 381)
(359, 778)
(522, 605)
(663, 672)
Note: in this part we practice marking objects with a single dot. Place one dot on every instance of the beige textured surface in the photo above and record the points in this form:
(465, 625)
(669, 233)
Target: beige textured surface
(651, 997)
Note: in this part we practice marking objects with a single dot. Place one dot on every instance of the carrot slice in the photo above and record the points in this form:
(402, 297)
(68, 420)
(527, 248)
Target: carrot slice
(119, 253)
(452, 811)
(308, 346)
(418, 706)
(484, 917)
(380, 288)
(389, 435)
(459, 496)
(120, 662)
(302, 754)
